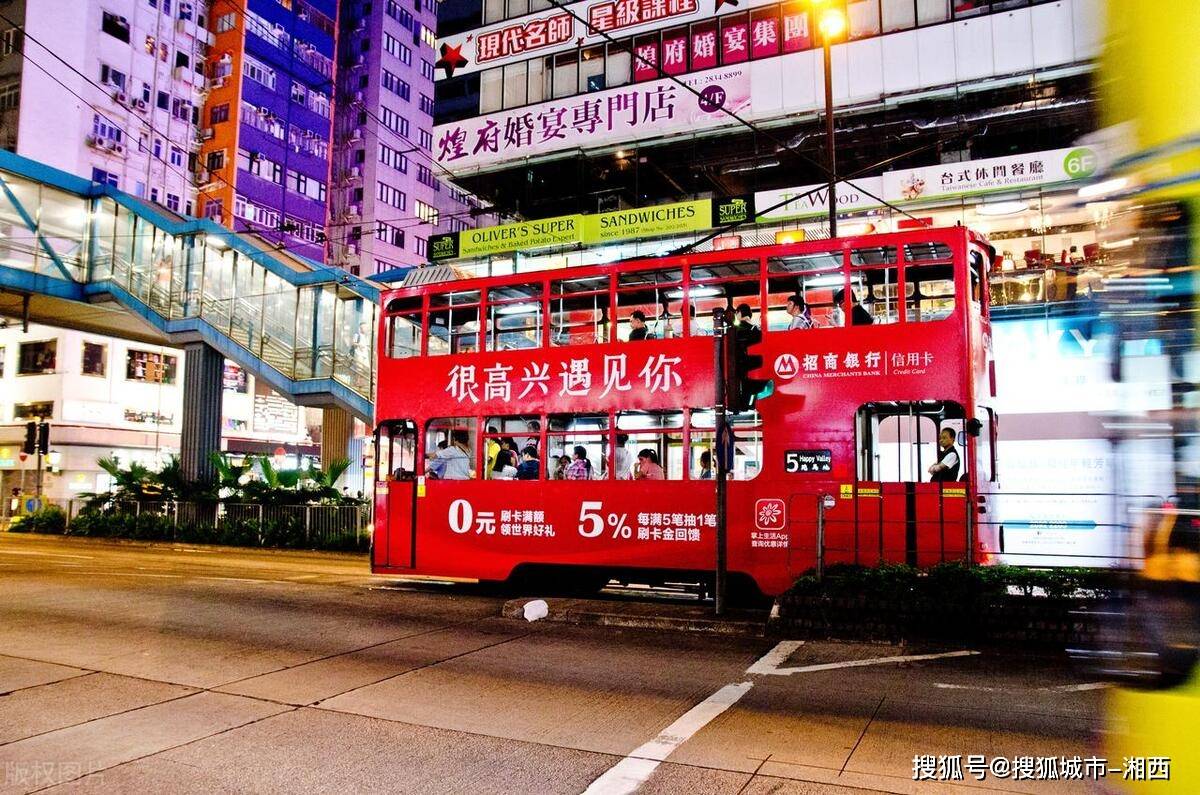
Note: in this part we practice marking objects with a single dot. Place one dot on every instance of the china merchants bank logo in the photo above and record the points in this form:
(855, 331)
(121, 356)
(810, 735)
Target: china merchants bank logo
(787, 366)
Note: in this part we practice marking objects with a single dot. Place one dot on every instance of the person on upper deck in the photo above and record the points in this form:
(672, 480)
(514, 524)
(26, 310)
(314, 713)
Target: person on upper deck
(945, 469)
(798, 309)
(637, 326)
(859, 316)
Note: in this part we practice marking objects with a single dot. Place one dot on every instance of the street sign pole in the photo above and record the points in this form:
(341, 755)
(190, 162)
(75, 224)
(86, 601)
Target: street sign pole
(720, 345)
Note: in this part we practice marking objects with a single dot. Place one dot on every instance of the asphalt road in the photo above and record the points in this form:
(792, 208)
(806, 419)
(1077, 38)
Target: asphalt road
(130, 667)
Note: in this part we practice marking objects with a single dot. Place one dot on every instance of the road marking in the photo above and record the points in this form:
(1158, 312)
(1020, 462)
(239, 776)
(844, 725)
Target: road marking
(44, 554)
(135, 574)
(632, 771)
(1052, 689)
(768, 664)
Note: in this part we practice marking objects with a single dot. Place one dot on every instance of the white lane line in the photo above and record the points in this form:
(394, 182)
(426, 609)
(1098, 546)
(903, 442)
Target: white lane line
(768, 664)
(1052, 689)
(44, 554)
(136, 574)
(1076, 688)
(983, 688)
(632, 771)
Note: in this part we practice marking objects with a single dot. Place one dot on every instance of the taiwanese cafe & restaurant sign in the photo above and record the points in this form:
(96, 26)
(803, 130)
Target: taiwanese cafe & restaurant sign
(568, 230)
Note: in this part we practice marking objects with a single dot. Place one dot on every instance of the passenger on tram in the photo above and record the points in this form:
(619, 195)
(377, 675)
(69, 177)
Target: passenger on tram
(637, 326)
(560, 467)
(529, 467)
(706, 470)
(452, 462)
(859, 316)
(801, 315)
(504, 469)
(623, 459)
(945, 469)
(746, 332)
(491, 447)
(648, 467)
(580, 467)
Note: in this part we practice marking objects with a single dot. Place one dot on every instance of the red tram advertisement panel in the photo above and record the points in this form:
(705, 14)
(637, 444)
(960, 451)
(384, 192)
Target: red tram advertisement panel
(565, 418)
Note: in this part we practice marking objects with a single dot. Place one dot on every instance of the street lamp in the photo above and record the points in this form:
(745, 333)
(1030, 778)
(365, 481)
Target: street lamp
(831, 22)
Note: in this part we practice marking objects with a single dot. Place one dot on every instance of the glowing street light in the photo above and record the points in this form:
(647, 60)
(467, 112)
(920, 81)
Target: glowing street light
(831, 21)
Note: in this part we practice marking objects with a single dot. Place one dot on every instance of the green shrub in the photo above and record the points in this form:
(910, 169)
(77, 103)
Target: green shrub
(50, 519)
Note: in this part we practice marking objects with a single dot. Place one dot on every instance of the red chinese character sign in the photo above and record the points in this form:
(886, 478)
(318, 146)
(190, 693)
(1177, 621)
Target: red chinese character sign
(764, 33)
(735, 38)
(795, 28)
(704, 45)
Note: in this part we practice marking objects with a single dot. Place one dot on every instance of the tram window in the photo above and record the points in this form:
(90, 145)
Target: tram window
(579, 311)
(874, 255)
(985, 445)
(404, 336)
(879, 293)
(817, 292)
(724, 295)
(396, 458)
(813, 262)
(514, 317)
(723, 270)
(747, 444)
(898, 442)
(658, 431)
(578, 437)
(506, 438)
(932, 251)
(649, 300)
(450, 448)
(929, 292)
(977, 270)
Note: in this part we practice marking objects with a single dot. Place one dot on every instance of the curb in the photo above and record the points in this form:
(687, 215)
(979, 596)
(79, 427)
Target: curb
(643, 615)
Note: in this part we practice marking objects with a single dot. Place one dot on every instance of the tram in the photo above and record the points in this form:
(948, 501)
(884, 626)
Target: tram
(563, 421)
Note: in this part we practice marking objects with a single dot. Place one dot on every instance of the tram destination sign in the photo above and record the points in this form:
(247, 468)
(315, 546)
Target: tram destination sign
(808, 461)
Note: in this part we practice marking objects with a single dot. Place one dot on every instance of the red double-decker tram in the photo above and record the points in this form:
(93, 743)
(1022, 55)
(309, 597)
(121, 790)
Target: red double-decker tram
(563, 420)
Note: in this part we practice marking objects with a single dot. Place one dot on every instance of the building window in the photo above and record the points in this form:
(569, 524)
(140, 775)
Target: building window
(115, 26)
(181, 109)
(426, 140)
(10, 41)
(39, 410)
(215, 161)
(150, 367)
(104, 128)
(176, 156)
(425, 177)
(36, 358)
(226, 22)
(95, 359)
(214, 210)
(105, 177)
(172, 202)
(399, 14)
(392, 235)
(112, 77)
(397, 86)
(391, 196)
(10, 96)
(426, 104)
(258, 72)
(426, 69)
(394, 122)
(427, 213)
(218, 113)
(164, 101)
(393, 158)
(421, 246)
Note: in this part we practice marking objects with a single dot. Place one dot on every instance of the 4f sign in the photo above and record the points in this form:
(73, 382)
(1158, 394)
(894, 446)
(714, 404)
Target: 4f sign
(787, 366)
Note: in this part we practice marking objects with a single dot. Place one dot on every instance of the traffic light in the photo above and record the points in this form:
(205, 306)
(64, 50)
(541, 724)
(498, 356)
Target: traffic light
(31, 434)
(43, 438)
(744, 390)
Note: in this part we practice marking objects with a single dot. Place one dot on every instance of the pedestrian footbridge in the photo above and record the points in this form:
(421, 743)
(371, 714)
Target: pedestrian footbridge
(83, 255)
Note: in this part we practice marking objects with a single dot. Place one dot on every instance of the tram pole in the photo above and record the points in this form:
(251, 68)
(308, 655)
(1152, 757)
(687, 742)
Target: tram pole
(720, 346)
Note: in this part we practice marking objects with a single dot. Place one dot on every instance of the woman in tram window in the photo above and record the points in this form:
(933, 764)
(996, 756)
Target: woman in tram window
(945, 469)
(504, 469)
(706, 471)
(798, 309)
(648, 467)
(453, 462)
(580, 467)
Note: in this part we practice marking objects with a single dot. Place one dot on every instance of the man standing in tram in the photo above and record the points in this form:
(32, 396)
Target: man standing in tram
(637, 326)
(945, 469)
(859, 316)
(452, 462)
(623, 459)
